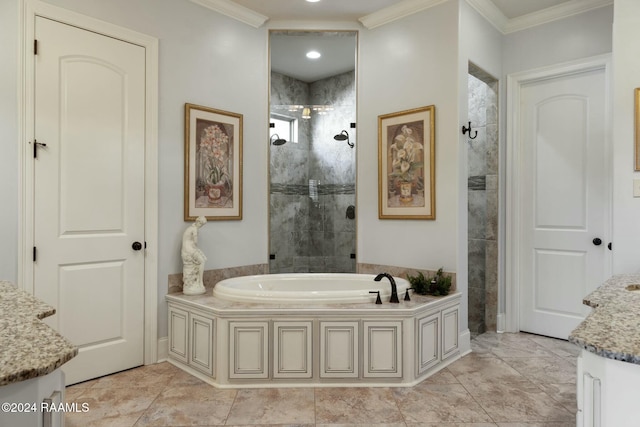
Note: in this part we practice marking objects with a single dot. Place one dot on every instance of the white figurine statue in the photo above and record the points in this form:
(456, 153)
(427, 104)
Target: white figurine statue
(193, 260)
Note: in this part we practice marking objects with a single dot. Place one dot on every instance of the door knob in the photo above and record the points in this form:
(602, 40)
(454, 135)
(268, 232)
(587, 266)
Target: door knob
(136, 246)
(597, 241)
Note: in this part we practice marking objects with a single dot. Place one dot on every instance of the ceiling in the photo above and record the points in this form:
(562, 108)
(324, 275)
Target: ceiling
(324, 10)
(352, 10)
(287, 53)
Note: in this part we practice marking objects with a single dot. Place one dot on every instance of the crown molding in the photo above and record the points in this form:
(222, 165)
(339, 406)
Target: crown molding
(397, 11)
(235, 11)
(554, 13)
(486, 8)
(491, 13)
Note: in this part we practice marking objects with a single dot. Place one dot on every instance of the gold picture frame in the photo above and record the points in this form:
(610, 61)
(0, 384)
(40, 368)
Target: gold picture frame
(637, 129)
(212, 163)
(406, 164)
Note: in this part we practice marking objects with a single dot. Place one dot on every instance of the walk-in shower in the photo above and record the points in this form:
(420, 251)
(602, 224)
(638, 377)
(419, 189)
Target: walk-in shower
(312, 176)
(482, 156)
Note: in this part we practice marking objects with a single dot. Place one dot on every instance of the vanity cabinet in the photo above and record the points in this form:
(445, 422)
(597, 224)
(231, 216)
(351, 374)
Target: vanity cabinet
(607, 392)
(26, 403)
(192, 338)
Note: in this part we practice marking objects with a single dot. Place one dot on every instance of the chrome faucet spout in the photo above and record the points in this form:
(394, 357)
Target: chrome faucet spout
(394, 289)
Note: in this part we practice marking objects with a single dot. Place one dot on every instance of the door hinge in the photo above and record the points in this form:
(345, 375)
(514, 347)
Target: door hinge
(35, 253)
(35, 47)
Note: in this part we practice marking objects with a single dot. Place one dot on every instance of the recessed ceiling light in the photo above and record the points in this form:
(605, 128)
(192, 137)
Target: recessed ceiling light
(313, 1)
(313, 54)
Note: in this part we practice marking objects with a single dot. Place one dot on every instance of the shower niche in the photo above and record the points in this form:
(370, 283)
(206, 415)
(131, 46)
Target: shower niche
(312, 146)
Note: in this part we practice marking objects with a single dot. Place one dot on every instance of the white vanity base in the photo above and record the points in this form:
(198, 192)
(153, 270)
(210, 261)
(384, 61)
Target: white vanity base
(24, 402)
(607, 392)
(230, 345)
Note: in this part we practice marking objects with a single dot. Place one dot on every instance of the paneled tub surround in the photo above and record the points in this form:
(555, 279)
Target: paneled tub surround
(31, 354)
(234, 344)
(609, 365)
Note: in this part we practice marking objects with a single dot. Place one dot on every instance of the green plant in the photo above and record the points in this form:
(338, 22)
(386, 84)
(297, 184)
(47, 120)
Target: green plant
(442, 283)
(419, 283)
(437, 285)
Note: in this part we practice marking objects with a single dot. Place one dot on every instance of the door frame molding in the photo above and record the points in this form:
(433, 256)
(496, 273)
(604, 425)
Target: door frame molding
(514, 159)
(29, 9)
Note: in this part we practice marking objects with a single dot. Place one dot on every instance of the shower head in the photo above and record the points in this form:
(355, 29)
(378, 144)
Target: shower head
(277, 140)
(344, 136)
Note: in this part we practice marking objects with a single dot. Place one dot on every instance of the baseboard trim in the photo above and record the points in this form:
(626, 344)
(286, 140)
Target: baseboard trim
(500, 323)
(464, 342)
(163, 349)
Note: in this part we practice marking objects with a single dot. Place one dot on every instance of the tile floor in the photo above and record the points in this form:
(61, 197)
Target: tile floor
(510, 380)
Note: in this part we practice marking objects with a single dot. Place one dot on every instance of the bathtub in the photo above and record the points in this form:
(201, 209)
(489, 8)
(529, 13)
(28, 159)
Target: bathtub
(307, 288)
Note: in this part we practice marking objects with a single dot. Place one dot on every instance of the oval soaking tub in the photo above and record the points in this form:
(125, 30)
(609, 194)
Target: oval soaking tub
(308, 288)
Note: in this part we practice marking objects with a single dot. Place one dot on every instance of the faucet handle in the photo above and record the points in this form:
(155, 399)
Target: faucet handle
(406, 295)
(378, 300)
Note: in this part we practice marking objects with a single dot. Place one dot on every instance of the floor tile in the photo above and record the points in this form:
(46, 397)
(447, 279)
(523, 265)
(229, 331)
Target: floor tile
(451, 425)
(198, 404)
(439, 403)
(159, 374)
(553, 370)
(362, 425)
(510, 380)
(273, 406)
(356, 406)
(518, 402)
(564, 394)
(442, 377)
(560, 424)
(513, 345)
(120, 407)
(475, 370)
(558, 347)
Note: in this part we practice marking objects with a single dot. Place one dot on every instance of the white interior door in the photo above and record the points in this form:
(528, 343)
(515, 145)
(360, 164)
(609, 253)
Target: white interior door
(89, 194)
(563, 199)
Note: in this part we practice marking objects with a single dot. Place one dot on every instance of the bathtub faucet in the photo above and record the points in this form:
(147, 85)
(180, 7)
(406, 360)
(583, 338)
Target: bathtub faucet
(394, 289)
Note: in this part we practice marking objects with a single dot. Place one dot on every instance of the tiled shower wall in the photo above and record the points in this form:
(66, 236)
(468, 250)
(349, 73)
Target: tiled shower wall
(312, 181)
(483, 201)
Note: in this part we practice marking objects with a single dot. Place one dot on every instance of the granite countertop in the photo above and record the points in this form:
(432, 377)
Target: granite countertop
(28, 347)
(612, 330)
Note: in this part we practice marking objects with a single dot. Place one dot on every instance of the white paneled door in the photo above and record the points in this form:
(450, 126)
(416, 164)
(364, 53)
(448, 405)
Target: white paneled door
(89, 194)
(563, 198)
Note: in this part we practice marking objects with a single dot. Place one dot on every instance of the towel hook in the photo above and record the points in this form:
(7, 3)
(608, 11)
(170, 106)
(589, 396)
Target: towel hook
(466, 129)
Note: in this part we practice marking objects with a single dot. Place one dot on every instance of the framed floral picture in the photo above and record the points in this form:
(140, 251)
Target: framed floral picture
(406, 164)
(212, 164)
